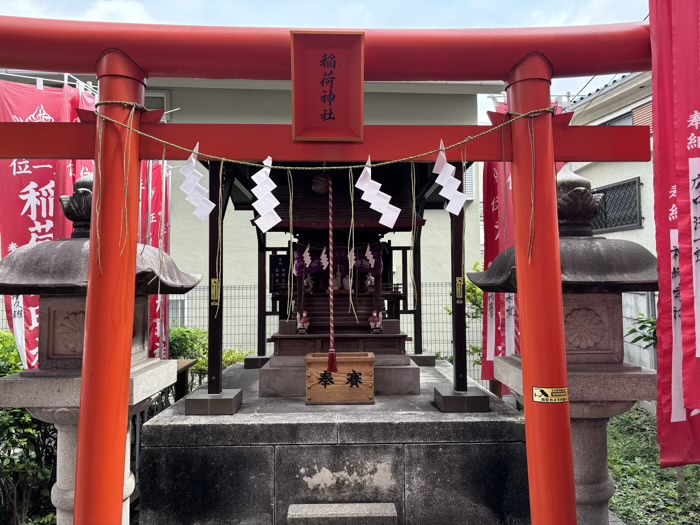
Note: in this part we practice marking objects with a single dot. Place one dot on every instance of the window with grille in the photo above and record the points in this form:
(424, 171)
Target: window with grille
(620, 208)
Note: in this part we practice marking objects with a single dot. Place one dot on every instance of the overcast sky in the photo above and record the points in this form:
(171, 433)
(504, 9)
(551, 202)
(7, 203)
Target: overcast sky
(361, 14)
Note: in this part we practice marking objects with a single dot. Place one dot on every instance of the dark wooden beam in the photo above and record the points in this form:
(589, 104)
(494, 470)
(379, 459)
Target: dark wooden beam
(262, 293)
(216, 290)
(459, 324)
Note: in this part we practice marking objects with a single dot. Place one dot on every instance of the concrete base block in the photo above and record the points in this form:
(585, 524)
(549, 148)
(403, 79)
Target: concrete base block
(435, 468)
(288, 327)
(343, 514)
(392, 360)
(282, 381)
(397, 380)
(449, 400)
(391, 326)
(255, 361)
(201, 403)
(423, 359)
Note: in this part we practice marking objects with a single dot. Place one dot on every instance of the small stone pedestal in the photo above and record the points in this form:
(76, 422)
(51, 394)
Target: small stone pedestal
(449, 400)
(202, 403)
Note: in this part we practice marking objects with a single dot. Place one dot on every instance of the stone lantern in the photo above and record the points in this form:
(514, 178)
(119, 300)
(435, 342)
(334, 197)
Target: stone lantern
(595, 273)
(57, 272)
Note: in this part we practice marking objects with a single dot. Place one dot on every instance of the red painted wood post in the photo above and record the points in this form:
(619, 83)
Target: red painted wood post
(109, 314)
(547, 425)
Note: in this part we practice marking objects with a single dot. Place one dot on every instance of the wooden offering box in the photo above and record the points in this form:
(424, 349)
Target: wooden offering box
(352, 384)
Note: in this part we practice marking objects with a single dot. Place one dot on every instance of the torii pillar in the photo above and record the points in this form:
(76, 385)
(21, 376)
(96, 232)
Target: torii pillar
(538, 269)
(109, 321)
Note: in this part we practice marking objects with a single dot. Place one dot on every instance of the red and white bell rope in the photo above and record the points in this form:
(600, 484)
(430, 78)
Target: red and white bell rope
(332, 367)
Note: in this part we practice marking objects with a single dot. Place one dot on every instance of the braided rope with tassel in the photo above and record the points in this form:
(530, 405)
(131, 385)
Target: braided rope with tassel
(332, 366)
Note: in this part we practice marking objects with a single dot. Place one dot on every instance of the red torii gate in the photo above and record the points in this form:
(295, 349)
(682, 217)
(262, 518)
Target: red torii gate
(123, 56)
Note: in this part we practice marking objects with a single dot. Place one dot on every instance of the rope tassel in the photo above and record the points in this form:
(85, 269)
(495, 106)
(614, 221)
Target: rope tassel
(332, 366)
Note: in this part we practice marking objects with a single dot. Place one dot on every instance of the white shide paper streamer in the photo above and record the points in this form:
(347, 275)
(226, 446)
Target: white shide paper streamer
(266, 203)
(450, 185)
(196, 194)
(378, 200)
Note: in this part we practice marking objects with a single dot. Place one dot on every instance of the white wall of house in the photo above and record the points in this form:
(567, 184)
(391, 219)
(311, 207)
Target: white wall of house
(384, 104)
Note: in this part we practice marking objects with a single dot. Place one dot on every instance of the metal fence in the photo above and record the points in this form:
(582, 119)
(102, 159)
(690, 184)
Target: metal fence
(240, 319)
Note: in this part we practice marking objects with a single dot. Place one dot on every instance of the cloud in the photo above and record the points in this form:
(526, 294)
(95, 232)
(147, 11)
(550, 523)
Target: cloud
(117, 11)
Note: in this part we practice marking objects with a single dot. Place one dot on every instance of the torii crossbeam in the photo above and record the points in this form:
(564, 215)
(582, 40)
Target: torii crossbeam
(123, 56)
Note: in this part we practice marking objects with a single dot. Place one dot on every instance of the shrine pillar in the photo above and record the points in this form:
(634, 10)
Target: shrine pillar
(547, 425)
(109, 314)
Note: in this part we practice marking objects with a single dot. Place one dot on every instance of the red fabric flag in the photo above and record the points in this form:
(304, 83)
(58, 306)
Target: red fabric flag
(501, 331)
(501, 334)
(155, 231)
(675, 76)
(30, 211)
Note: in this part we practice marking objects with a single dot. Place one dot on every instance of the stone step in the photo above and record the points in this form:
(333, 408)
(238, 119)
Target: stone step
(343, 514)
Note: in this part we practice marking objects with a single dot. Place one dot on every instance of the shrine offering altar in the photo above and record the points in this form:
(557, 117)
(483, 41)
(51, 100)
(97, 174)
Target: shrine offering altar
(248, 468)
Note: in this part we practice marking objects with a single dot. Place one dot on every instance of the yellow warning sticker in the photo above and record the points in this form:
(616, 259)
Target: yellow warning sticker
(550, 395)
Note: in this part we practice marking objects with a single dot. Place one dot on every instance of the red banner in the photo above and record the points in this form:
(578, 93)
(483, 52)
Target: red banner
(31, 211)
(155, 231)
(327, 85)
(676, 113)
(501, 334)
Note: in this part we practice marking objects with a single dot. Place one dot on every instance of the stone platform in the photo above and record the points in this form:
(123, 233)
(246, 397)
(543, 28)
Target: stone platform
(248, 468)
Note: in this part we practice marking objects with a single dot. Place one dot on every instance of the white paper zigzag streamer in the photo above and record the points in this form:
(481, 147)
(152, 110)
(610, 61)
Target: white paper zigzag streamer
(450, 184)
(369, 256)
(378, 200)
(196, 193)
(266, 203)
(324, 258)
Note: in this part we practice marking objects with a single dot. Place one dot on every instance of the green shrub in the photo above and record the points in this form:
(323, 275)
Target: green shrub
(192, 343)
(27, 455)
(188, 343)
(10, 362)
(646, 494)
(643, 331)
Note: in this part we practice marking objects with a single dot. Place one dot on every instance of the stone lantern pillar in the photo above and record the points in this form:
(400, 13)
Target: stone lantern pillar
(57, 271)
(595, 273)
